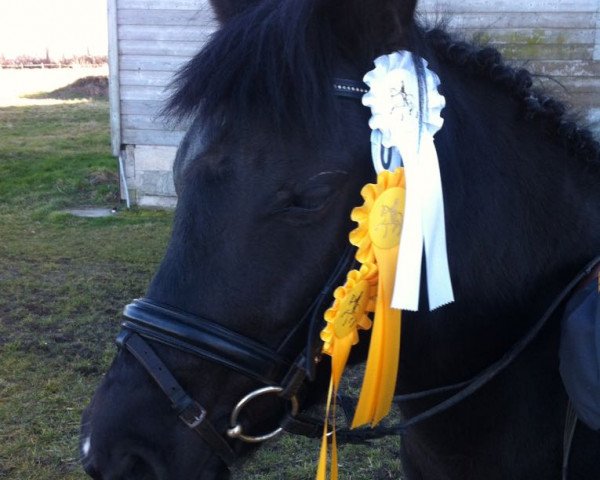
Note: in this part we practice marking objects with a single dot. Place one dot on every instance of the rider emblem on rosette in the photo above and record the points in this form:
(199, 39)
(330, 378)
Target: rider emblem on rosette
(347, 315)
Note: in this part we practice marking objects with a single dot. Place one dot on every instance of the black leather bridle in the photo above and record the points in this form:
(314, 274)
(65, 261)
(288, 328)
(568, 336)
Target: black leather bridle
(282, 371)
(279, 370)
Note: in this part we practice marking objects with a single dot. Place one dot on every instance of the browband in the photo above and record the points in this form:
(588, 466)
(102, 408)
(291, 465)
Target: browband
(343, 87)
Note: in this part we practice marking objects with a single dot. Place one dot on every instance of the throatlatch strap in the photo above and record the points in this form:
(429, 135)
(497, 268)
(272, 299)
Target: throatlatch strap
(569, 433)
(188, 410)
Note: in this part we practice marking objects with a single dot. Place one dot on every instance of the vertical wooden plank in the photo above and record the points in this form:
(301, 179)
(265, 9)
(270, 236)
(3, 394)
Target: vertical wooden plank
(114, 91)
(594, 112)
(597, 46)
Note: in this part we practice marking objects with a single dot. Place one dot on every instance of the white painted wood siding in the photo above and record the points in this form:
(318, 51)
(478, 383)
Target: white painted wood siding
(155, 37)
(554, 38)
(151, 39)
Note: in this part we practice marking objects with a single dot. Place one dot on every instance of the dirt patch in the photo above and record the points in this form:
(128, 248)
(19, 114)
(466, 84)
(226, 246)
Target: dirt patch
(86, 87)
(28, 87)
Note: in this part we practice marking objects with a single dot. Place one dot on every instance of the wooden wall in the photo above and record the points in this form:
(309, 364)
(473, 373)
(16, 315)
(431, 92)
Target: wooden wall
(555, 38)
(150, 39)
(155, 38)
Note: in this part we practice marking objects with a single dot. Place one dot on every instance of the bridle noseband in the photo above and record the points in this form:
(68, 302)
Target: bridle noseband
(188, 410)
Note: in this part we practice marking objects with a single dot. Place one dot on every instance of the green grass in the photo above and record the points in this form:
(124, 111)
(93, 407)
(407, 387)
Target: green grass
(63, 282)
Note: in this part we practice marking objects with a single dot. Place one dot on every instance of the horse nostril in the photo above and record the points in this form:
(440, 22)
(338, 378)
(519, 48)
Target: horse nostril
(139, 469)
(92, 472)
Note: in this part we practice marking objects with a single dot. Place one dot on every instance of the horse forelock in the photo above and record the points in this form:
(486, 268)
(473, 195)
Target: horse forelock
(275, 61)
(271, 64)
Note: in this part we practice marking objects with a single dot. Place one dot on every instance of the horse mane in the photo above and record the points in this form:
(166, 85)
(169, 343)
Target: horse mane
(487, 63)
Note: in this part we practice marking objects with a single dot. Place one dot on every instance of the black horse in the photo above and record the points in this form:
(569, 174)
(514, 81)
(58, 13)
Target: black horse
(267, 175)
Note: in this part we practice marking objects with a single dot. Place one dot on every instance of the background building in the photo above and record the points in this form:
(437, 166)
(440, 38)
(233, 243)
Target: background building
(150, 39)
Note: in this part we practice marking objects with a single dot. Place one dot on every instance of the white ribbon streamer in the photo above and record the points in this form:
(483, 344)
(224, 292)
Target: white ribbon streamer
(403, 136)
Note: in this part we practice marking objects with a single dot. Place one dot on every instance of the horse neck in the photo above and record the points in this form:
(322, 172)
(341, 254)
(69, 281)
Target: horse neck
(514, 182)
(522, 218)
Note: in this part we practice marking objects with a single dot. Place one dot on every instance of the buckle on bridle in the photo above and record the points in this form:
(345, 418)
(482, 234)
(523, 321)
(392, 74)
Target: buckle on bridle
(193, 415)
(236, 430)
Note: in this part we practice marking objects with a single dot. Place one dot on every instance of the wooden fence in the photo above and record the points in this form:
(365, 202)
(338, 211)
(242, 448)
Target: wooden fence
(42, 66)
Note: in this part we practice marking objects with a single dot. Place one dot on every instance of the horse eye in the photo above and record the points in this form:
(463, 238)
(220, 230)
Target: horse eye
(313, 198)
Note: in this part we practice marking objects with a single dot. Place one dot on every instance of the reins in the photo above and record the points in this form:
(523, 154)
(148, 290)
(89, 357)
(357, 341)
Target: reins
(467, 387)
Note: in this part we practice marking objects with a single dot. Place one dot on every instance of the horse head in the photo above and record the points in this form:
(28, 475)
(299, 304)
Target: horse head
(270, 167)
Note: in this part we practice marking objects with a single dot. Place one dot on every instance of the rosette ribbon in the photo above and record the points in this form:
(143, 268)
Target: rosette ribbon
(402, 216)
(346, 316)
(380, 224)
(406, 114)
(366, 290)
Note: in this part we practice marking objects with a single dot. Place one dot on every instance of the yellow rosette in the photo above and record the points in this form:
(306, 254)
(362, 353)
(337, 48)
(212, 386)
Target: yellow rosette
(377, 238)
(347, 315)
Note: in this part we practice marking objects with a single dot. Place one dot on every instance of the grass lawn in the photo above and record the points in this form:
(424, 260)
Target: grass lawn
(63, 283)
(63, 280)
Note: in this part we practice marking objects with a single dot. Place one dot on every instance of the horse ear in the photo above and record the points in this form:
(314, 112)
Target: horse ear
(403, 10)
(225, 9)
(372, 22)
(406, 9)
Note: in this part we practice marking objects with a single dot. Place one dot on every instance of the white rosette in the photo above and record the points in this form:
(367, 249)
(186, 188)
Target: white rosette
(403, 125)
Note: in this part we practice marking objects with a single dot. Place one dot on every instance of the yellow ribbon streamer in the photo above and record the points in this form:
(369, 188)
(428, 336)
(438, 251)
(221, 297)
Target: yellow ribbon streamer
(346, 316)
(377, 238)
(322, 468)
(379, 382)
